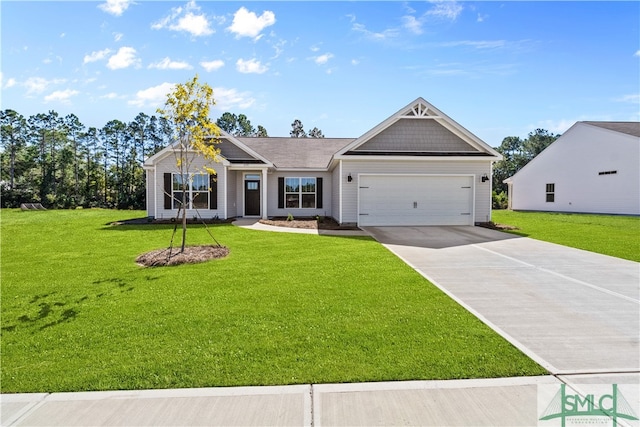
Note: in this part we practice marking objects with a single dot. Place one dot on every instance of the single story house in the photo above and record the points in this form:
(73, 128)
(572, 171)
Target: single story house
(417, 167)
(594, 167)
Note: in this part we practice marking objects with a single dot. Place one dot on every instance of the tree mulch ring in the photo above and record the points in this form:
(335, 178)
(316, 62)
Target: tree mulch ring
(191, 255)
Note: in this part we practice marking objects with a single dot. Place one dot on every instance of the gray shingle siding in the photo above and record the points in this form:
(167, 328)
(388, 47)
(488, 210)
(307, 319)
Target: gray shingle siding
(416, 135)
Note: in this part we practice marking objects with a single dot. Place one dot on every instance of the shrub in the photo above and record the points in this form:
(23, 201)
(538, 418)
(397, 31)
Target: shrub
(500, 200)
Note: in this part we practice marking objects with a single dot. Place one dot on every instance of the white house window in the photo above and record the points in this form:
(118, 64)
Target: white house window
(300, 193)
(197, 190)
(551, 193)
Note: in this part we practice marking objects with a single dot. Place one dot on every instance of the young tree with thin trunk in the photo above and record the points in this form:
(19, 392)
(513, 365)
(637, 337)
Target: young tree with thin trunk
(194, 135)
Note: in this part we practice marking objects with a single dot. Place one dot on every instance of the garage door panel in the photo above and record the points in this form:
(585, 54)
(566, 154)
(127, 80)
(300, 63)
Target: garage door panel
(415, 200)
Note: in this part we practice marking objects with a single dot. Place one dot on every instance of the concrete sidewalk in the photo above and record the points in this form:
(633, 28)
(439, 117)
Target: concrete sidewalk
(255, 224)
(481, 402)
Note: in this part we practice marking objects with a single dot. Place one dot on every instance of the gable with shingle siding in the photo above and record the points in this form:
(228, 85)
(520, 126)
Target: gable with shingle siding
(416, 135)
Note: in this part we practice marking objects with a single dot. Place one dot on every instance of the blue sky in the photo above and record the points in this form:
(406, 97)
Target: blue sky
(499, 68)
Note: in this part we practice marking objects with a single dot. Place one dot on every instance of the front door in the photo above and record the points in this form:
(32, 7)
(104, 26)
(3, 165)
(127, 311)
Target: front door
(252, 198)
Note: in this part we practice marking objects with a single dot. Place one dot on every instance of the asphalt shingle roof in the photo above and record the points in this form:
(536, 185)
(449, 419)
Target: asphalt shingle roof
(298, 153)
(630, 128)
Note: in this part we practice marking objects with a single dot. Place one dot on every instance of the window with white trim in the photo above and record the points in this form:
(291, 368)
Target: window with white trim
(197, 190)
(300, 193)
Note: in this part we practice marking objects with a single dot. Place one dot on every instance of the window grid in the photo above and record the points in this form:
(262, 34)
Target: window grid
(197, 194)
(551, 193)
(300, 193)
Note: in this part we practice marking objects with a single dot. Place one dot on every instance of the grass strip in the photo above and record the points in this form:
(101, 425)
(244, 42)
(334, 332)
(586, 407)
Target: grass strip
(613, 235)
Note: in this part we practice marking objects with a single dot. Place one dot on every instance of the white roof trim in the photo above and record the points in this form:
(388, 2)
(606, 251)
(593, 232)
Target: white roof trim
(244, 147)
(151, 161)
(420, 158)
(421, 109)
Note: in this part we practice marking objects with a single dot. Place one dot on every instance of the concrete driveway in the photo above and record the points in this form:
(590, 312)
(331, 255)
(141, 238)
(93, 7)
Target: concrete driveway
(570, 310)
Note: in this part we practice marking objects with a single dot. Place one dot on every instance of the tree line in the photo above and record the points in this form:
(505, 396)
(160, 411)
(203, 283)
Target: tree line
(59, 162)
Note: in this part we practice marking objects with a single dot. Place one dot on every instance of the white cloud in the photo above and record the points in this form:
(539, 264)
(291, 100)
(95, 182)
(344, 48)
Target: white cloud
(248, 24)
(61, 95)
(117, 37)
(231, 99)
(447, 9)
(632, 99)
(250, 66)
(39, 84)
(323, 59)
(478, 44)
(115, 7)
(376, 36)
(9, 83)
(125, 57)
(637, 53)
(212, 65)
(187, 19)
(110, 95)
(556, 126)
(168, 64)
(355, 61)
(96, 56)
(412, 24)
(197, 25)
(154, 96)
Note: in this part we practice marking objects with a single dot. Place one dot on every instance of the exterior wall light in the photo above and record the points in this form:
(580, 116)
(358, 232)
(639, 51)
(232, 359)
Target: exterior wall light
(349, 177)
(484, 178)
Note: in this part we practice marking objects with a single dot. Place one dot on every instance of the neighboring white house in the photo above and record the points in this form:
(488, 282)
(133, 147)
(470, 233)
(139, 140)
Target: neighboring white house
(418, 167)
(594, 167)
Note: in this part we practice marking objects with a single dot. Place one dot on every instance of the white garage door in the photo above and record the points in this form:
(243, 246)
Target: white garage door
(415, 200)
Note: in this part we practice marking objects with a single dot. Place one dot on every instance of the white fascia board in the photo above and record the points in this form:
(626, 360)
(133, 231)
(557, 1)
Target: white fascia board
(167, 151)
(420, 158)
(301, 170)
(151, 161)
(247, 166)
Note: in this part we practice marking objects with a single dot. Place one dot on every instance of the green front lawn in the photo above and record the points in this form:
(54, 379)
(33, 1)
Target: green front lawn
(79, 314)
(614, 235)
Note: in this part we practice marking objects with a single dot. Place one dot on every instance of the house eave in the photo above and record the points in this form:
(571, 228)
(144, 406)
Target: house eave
(418, 158)
(245, 166)
(301, 169)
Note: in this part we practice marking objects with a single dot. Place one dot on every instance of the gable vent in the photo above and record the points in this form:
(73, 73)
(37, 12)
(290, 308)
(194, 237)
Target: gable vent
(421, 110)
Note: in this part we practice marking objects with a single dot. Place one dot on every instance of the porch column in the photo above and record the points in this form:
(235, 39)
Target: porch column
(264, 194)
